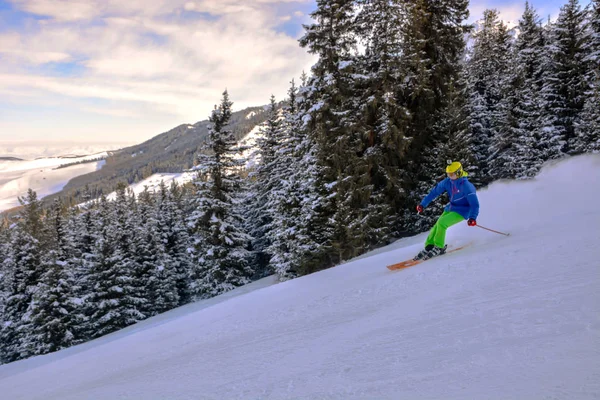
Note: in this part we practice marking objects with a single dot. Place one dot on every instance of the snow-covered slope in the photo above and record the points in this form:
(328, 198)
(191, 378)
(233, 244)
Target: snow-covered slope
(249, 154)
(153, 182)
(506, 318)
(41, 175)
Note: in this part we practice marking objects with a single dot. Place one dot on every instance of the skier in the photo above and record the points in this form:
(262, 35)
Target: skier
(463, 205)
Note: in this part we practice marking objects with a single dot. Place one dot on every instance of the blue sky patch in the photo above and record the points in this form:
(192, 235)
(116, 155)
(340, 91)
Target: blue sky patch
(12, 19)
(59, 69)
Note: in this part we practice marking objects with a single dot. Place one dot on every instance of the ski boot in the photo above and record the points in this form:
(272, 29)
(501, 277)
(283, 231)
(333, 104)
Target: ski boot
(434, 252)
(423, 252)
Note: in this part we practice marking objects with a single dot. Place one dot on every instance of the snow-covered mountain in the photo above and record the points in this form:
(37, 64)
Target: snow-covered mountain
(513, 317)
(42, 175)
(152, 183)
(172, 152)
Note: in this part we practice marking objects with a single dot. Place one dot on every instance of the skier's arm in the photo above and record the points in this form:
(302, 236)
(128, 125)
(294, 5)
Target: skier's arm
(435, 192)
(473, 204)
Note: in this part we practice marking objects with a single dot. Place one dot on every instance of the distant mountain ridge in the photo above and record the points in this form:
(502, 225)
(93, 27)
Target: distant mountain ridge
(173, 151)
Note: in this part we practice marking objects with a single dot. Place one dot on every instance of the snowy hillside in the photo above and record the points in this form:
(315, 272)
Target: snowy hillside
(153, 182)
(249, 142)
(506, 318)
(41, 175)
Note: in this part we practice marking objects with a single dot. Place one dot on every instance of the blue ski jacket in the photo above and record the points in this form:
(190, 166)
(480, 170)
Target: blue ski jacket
(463, 198)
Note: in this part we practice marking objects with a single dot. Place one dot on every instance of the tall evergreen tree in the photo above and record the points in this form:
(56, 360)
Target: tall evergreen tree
(383, 120)
(516, 153)
(265, 182)
(115, 300)
(341, 185)
(31, 215)
(488, 69)
(24, 273)
(174, 236)
(588, 130)
(432, 49)
(221, 246)
(291, 242)
(565, 83)
(54, 314)
(55, 311)
(156, 270)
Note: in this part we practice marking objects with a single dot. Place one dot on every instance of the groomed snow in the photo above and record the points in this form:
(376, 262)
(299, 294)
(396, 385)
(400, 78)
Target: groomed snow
(506, 318)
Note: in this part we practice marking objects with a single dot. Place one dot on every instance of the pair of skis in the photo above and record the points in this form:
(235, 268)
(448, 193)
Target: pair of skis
(410, 263)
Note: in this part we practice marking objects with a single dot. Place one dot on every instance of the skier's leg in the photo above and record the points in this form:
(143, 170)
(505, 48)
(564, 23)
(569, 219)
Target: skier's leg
(446, 220)
(430, 241)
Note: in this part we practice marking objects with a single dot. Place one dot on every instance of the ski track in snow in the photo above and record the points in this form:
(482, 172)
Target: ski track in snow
(506, 318)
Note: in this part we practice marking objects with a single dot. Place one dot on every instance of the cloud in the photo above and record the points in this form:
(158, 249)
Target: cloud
(60, 10)
(166, 57)
(115, 112)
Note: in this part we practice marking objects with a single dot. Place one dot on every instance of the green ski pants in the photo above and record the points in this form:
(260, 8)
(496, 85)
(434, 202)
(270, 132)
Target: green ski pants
(437, 234)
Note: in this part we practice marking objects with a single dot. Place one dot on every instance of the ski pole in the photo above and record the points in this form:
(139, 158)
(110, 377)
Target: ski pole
(491, 230)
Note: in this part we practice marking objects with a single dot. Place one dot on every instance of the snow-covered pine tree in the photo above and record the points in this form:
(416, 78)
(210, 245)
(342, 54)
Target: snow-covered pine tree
(222, 253)
(593, 40)
(588, 130)
(383, 120)
(79, 264)
(55, 314)
(174, 236)
(31, 214)
(260, 211)
(5, 285)
(5, 240)
(515, 149)
(455, 125)
(488, 68)
(290, 241)
(84, 230)
(565, 83)
(156, 271)
(341, 187)
(114, 302)
(23, 267)
(432, 48)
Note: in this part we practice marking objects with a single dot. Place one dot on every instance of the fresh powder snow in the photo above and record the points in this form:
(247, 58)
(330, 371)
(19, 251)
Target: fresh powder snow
(513, 317)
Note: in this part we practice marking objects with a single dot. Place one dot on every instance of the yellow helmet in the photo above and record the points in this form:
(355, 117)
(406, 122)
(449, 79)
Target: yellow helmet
(455, 168)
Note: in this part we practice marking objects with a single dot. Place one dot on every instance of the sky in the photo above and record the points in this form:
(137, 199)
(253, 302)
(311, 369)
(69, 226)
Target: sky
(124, 71)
